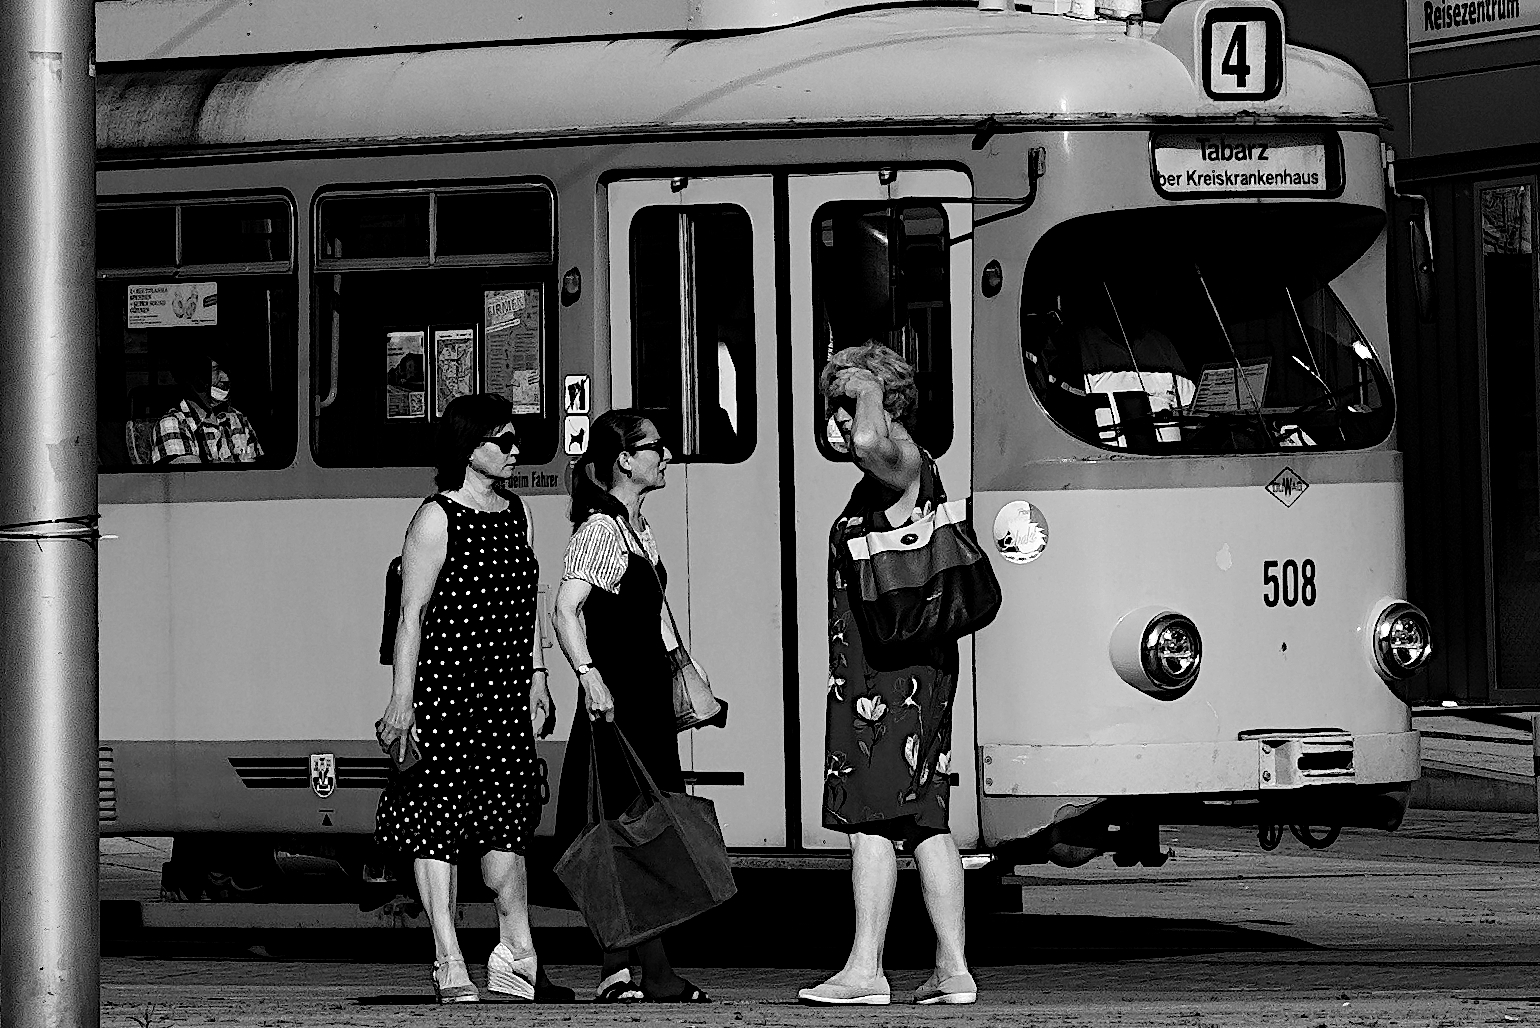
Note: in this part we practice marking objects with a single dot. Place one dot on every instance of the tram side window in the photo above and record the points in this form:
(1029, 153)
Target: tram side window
(880, 274)
(1172, 348)
(196, 304)
(692, 328)
(422, 295)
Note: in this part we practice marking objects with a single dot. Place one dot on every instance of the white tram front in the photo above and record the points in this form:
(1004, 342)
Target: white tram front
(1139, 268)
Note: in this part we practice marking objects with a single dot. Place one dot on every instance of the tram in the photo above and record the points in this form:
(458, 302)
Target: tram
(1138, 266)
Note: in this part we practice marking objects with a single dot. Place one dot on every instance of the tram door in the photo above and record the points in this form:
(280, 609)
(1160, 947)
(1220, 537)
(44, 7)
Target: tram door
(693, 338)
(1511, 337)
(872, 258)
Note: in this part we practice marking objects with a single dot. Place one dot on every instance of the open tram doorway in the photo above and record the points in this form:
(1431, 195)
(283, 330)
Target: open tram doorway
(1509, 343)
(886, 257)
(726, 347)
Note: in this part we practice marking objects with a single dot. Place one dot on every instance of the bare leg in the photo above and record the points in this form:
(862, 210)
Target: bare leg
(436, 881)
(941, 883)
(658, 977)
(873, 875)
(505, 874)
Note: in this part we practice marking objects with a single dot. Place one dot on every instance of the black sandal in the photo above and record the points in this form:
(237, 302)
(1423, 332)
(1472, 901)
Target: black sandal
(689, 994)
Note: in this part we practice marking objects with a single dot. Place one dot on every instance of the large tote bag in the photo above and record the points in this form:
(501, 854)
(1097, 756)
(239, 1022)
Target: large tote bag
(926, 583)
(659, 864)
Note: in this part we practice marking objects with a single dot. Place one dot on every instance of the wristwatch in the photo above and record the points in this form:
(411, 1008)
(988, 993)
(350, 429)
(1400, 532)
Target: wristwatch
(583, 669)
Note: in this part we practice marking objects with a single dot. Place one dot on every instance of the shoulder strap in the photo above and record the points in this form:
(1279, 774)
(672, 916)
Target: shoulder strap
(626, 526)
(930, 482)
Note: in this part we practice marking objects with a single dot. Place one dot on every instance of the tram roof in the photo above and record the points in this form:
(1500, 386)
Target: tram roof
(911, 65)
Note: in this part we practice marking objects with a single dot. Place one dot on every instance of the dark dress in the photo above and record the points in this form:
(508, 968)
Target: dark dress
(476, 787)
(889, 732)
(625, 642)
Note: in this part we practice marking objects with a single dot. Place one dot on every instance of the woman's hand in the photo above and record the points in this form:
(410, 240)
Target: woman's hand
(852, 382)
(542, 709)
(600, 702)
(400, 720)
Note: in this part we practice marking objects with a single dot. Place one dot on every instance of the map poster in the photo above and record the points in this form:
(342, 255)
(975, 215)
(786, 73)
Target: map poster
(454, 366)
(173, 305)
(406, 372)
(511, 334)
(1221, 392)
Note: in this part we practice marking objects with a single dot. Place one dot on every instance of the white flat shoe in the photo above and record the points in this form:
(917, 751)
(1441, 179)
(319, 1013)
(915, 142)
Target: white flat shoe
(875, 993)
(959, 988)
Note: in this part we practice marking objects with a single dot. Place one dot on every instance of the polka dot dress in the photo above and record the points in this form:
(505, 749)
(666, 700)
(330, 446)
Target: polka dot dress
(476, 787)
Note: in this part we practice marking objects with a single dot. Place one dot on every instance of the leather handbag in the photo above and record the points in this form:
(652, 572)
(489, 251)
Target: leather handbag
(695, 705)
(659, 864)
(925, 583)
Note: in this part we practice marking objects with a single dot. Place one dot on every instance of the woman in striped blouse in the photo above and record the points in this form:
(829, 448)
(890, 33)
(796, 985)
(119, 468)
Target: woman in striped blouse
(609, 619)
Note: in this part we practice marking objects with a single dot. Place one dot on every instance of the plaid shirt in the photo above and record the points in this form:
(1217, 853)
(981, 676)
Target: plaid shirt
(225, 437)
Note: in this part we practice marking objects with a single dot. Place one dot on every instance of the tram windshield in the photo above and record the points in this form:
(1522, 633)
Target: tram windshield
(1140, 334)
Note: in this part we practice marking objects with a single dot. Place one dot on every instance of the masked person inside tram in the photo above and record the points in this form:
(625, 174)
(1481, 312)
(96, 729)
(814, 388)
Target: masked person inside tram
(203, 427)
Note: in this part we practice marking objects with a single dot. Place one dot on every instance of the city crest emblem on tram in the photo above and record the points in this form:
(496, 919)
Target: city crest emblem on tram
(323, 774)
(1287, 487)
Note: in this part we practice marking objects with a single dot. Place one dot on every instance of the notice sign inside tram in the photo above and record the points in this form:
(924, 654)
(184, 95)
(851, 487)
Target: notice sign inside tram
(406, 375)
(510, 330)
(1222, 391)
(1245, 164)
(173, 305)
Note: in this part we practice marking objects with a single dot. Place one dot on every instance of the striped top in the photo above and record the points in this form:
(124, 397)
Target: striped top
(601, 548)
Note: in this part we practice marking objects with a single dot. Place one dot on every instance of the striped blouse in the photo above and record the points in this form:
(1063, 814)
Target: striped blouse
(600, 550)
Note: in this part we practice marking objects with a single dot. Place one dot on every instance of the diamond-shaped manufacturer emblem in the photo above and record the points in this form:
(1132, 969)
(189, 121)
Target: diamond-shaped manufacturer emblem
(1287, 487)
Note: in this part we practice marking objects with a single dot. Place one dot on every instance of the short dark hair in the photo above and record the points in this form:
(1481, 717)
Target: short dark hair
(900, 396)
(612, 433)
(466, 422)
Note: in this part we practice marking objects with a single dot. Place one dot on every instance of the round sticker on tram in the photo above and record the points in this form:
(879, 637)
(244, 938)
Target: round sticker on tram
(1021, 532)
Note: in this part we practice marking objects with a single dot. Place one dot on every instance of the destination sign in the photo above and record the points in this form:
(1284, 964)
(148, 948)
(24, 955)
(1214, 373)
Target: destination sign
(1250, 163)
(1432, 22)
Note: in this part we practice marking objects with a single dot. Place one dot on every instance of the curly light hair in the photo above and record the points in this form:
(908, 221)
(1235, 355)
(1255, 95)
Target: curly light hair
(900, 397)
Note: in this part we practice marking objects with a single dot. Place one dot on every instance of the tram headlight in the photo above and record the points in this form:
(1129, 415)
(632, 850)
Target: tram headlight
(1402, 641)
(1172, 651)
(1157, 651)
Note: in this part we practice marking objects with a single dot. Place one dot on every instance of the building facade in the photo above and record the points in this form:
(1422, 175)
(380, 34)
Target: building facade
(1459, 86)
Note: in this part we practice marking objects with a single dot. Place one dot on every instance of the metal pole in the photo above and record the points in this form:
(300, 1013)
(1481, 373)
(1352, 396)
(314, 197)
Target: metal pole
(49, 970)
(1534, 726)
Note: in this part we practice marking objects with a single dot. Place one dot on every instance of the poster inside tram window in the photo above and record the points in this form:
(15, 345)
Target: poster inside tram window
(406, 372)
(510, 332)
(454, 366)
(173, 305)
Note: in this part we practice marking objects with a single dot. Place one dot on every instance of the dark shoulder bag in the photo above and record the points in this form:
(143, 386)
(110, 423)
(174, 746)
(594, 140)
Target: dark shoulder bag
(393, 599)
(925, 583)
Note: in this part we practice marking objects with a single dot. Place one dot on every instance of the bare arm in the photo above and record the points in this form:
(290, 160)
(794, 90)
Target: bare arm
(422, 557)
(573, 636)
(878, 444)
(540, 705)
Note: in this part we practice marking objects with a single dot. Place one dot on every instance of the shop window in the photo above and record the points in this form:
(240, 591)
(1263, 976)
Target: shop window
(692, 328)
(880, 274)
(422, 295)
(196, 347)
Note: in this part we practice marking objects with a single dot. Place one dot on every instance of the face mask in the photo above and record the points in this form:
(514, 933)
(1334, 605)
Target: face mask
(218, 394)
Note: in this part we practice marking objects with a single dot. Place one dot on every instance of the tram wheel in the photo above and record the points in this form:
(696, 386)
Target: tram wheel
(1315, 842)
(1269, 836)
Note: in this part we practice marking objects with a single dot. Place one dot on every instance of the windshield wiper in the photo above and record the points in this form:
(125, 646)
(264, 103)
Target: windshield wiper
(1240, 375)
(1313, 369)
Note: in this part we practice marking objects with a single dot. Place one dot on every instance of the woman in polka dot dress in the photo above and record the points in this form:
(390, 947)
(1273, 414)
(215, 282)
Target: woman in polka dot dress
(468, 689)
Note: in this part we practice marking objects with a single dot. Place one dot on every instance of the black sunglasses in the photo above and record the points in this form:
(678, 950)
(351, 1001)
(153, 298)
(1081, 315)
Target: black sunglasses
(505, 442)
(656, 446)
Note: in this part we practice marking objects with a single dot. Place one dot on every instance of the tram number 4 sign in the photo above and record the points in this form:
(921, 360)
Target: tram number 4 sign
(1242, 53)
(1291, 584)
